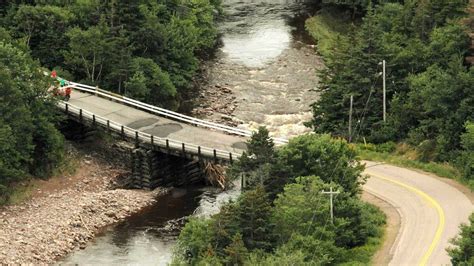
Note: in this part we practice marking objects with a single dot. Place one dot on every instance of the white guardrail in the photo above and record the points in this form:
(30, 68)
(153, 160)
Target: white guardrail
(167, 113)
(164, 143)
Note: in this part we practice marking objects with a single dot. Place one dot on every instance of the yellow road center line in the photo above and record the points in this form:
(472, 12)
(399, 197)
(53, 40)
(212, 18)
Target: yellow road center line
(434, 203)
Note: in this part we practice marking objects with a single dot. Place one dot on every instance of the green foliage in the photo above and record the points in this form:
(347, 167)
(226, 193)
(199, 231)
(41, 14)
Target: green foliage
(441, 101)
(297, 227)
(89, 51)
(291, 223)
(429, 90)
(29, 142)
(194, 240)
(238, 227)
(261, 146)
(106, 43)
(463, 252)
(150, 83)
(281, 257)
(258, 162)
(255, 215)
(236, 251)
(356, 6)
(333, 160)
(329, 28)
(295, 212)
(466, 158)
(5, 35)
(43, 29)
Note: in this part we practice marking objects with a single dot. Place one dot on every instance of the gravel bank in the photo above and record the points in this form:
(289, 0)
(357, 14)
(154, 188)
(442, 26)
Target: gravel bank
(64, 213)
(277, 95)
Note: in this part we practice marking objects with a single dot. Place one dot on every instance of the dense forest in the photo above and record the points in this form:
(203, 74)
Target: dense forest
(146, 49)
(150, 50)
(430, 89)
(282, 218)
(430, 86)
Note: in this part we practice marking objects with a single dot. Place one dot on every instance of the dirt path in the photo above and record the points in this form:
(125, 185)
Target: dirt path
(65, 212)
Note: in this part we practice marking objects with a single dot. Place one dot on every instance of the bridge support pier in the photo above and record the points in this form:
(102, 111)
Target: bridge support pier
(151, 169)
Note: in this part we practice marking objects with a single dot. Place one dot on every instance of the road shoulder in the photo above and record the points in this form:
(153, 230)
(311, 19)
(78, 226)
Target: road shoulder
(384, 255)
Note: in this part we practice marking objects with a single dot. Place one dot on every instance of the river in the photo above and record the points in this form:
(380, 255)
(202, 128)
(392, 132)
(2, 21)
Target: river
(268, 64)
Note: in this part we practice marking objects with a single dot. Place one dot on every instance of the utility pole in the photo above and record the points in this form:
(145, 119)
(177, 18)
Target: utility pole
(350, 119)
(384, 93)
(331, 203)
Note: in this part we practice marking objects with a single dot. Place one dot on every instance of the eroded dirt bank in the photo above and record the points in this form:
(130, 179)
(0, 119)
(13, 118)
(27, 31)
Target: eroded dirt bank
(65, 212)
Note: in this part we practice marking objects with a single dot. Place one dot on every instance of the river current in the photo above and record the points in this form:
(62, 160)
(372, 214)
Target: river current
(268, 62)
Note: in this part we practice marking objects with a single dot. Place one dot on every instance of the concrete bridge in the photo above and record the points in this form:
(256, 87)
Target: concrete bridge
(156, 131)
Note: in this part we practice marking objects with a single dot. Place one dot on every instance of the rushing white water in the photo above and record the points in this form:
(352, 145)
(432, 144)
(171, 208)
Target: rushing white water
(211, 202)
(268, 64)
(249, 49)
(272, 73)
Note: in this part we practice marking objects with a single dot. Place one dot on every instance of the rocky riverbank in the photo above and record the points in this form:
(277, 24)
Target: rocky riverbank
(66, 212)
(277, 95)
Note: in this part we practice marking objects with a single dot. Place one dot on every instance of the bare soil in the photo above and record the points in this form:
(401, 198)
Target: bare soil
(64, 212)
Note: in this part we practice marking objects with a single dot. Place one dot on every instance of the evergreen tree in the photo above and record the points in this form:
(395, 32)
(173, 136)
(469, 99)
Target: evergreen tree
(466, 158)
(254, 212)
(257, 162)
(236, 251)
(422, 44)
(30, 144)
(225, 225)
(463, 252)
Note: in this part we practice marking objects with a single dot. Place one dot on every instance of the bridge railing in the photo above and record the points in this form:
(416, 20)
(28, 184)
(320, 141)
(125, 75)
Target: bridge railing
(163, 143)
(167, 113)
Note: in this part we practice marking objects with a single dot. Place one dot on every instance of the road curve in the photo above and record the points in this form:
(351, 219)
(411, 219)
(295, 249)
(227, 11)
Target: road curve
(430, 210)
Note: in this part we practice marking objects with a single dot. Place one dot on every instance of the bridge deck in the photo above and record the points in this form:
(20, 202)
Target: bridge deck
(156, 125)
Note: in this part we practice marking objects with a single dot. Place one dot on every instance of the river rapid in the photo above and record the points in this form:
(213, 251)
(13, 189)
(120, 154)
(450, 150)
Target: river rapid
(263, 74)
(265, 71)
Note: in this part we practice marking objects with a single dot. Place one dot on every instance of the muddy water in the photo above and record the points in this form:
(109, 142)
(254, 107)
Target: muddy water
(264, 74)
(148, 237)
(266, 67)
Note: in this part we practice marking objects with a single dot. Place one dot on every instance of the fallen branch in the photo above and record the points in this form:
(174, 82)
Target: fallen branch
(85, 226)
(216, 175)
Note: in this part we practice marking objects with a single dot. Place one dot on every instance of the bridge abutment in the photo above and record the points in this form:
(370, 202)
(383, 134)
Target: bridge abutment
(151, 169)
(150, 165)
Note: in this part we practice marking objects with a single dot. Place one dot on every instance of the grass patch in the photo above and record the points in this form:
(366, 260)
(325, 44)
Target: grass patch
(404, 156)
(330, 29)
(363, 255)
(70, 163)
(21, 191)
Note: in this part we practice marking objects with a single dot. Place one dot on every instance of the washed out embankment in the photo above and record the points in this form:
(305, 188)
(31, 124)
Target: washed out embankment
(65, 212)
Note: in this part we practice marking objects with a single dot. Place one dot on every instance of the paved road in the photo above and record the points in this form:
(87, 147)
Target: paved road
(156, 125)
(430, 209)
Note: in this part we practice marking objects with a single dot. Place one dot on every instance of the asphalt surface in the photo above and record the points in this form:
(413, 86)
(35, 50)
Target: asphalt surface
(157, 125)
(430, 211)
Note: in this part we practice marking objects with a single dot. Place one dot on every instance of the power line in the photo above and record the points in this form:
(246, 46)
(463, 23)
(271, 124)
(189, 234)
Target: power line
(331, 204)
